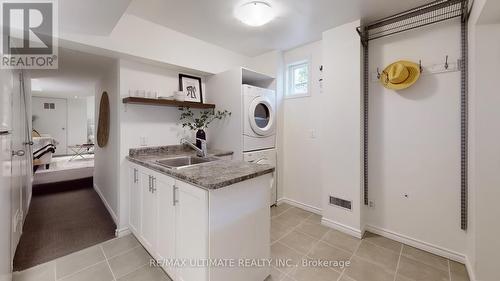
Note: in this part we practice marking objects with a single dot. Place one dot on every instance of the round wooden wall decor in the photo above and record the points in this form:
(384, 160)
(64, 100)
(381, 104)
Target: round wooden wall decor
(103, 125)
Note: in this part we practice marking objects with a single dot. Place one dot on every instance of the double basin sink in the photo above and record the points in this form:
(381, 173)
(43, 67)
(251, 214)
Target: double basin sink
(184, 161)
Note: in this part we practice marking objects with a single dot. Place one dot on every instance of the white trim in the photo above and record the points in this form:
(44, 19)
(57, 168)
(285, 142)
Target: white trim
(342, 228)
(106, 204)
(120, 232)
(470, 269)
(300, 205)
(431, 248)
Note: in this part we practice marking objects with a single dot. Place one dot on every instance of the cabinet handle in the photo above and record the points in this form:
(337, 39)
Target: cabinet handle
(135, 176)
(175, 200)
(153, 184)
(149, 183)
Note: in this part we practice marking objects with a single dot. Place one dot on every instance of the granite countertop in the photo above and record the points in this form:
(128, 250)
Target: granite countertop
(210, 176)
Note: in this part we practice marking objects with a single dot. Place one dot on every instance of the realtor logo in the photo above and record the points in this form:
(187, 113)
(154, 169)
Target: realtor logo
(28, 35)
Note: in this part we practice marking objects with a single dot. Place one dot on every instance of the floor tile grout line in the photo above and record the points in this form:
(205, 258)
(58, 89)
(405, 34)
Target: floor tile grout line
(350, 259)
(292, 229)
(284, 244)
(449, 269)
(80, 270)
(385, 248)
(423, 262)
(397, 265)
(306, 255)
(134, 270)
(124, 252)
(107, 262)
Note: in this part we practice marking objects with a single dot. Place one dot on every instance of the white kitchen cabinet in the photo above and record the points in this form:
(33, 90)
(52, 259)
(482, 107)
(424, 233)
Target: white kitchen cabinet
(191, 222)
(135, 200)
(175, 220)
(166, 221)
(149, 211)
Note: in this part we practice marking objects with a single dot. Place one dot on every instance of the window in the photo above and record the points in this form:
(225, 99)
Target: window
(298, 79)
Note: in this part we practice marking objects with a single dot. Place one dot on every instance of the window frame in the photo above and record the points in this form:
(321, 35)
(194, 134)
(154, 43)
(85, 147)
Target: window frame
(290, 76)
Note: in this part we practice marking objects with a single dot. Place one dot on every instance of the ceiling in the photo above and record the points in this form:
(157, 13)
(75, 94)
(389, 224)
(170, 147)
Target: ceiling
(77, 75)
(96, 17)
(298, 21)
(490, 13)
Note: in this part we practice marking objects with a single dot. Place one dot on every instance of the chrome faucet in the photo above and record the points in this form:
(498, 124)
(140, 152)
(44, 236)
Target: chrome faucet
(199, 152)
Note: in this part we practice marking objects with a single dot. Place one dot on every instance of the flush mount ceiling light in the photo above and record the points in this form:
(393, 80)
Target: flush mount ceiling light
(255, 13)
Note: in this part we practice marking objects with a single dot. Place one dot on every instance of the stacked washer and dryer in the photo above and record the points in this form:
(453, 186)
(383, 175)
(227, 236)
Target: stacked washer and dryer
(250, 132)
(259, 133)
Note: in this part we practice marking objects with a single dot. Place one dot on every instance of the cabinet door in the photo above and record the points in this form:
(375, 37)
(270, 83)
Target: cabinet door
(149, 212)
(191, 222)
(166, 221)
(135, 200)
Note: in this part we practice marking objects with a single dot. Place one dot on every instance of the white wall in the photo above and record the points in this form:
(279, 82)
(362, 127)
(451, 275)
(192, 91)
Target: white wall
(77, 121)
(137, 37)
(340, 131)
(414, 141)
(142, 125)
(106, 171)
(487, 157)
(301, 125)
(71, 114)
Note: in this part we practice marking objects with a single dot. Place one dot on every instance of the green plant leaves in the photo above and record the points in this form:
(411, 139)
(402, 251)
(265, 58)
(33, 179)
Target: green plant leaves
(203, 119)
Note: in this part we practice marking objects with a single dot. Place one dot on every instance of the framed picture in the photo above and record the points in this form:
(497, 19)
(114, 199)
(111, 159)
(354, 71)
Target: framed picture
(191, 86)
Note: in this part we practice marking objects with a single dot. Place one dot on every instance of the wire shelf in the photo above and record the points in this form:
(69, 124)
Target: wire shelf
(431, 13)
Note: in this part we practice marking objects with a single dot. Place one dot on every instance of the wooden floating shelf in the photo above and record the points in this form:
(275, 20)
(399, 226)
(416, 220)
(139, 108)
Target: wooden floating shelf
(161, 102)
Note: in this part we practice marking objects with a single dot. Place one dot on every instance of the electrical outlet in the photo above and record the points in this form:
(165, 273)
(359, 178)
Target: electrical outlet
(143, 141)
(371, 204)
(312, 134)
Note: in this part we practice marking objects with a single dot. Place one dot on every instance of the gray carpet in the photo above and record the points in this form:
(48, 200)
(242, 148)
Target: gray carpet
(63, 218)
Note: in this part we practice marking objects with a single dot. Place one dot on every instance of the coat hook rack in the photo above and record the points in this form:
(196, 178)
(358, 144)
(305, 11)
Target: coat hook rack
(378, 73)
(420, 66)
(446, 65)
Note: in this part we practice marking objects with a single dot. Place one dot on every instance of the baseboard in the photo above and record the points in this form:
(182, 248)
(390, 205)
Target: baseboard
(300, 205)
(106, 204)
(120, 232)
(437, 250)
(342, 228)
(470, 269)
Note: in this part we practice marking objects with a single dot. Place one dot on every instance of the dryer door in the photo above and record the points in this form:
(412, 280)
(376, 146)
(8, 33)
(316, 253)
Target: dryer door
(261, 116)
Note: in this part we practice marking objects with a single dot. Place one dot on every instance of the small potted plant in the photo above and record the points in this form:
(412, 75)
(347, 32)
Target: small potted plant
(199, 122)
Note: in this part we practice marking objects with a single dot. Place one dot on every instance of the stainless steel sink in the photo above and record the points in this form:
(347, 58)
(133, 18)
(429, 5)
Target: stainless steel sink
(184, 161)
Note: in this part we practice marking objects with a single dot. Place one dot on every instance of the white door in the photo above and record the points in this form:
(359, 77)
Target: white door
(149, 212)
(191, 224)
(21, 156)
(5, 208)
(135, 200)
(165, 187)
(6, 84)
(50, 117)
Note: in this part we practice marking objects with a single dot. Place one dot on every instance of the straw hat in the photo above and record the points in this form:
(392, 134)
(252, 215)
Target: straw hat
(400, 75)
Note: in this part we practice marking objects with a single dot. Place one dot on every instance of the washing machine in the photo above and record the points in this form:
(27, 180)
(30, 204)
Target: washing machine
(268, 157)
(259, 109)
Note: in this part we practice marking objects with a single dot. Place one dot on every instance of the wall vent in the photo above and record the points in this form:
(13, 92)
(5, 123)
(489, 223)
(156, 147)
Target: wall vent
(345, 204)
(49, 105)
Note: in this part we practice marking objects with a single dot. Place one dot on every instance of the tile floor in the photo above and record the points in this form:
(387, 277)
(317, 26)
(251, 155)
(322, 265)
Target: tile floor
(296, 235)
(299, 235)
(121, 259)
